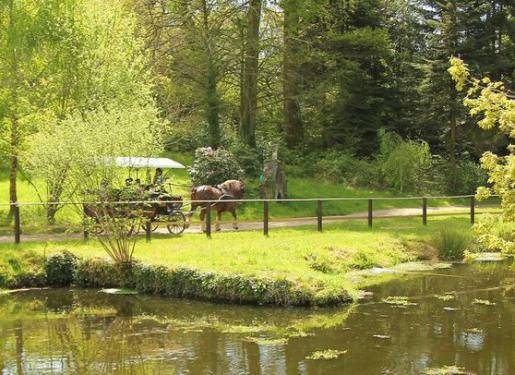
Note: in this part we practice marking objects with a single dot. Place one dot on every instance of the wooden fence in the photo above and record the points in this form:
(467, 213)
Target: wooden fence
(319, 211)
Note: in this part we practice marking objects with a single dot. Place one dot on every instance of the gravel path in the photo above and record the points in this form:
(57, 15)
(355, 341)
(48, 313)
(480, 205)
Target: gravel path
(274, 223)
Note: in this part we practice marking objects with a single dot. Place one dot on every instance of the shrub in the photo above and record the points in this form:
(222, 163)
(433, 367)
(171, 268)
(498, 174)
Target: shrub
(96, 273)
(185, 136)
(337, 166)
(468, 176)
(451, 243)
(21, 271)
(249, 159)
(367, 173)
(212, 167)
(184, 282)
(405, 164)
(60, 269)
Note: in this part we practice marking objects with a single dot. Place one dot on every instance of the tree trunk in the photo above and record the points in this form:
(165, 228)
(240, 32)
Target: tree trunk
(14, 134)
(213, 116)
(13, 172)
(292, 122)
(453, 98)
(212, 102)
(452, 140)
(250, 74)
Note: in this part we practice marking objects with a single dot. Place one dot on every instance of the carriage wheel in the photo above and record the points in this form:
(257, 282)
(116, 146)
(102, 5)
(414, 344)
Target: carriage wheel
(133, 230)
(96, 229)
(153, 227)
(176, 223)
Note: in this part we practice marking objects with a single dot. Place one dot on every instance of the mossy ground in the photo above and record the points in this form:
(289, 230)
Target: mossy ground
(304, 257)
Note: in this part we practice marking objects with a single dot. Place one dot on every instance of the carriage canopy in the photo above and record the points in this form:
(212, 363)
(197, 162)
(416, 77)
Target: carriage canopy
(141, 162)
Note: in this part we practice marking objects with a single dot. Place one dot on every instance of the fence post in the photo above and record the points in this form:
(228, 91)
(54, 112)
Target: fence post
(148, 231)
(424, 211)
(370, 217)
(208, 220)
(319, 215)
(265, 218)
(472, 209)
(17, 227)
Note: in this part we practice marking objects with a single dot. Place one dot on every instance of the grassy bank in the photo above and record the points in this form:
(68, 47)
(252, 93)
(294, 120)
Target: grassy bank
(69, 218)
(301, 266)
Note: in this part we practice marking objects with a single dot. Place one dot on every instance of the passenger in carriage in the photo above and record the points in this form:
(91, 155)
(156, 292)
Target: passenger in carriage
(158, 177)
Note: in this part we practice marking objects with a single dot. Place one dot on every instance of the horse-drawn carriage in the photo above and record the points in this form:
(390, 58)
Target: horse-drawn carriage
(143, 205)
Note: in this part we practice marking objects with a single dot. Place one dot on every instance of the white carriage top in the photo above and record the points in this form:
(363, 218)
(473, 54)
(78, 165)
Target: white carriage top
(141, 162)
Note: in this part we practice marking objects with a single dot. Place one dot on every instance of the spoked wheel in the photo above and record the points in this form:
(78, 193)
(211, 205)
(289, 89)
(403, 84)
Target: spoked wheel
(96, 229)
(133, 230)
(176, 223)
(153, 227)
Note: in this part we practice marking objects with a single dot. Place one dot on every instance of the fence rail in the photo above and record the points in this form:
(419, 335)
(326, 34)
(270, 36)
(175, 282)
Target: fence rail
(319, 210)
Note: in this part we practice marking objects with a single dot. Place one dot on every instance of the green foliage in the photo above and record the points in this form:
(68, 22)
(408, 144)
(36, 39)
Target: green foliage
(465, 180)
(337, 166)
(320, 263)
(496, 106)
(248, 158)
(406, 164)
(183, 282)
(21, 272)
(212, 167)
(96, 273)
(60, 269)
(451, 243)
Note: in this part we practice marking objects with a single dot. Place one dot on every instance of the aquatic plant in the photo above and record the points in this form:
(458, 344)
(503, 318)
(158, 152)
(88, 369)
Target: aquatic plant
(451, 243)
(447, 370)
(445, 297)
(267, 341)
(326, 354)
(484, 302)
(398, 301)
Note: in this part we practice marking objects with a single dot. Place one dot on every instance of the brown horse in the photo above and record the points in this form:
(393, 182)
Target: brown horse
(230, 189)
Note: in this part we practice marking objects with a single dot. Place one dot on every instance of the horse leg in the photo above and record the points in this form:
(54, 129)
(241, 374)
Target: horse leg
(235, 218)
(202, 220)
(218, 219)
(190, 214)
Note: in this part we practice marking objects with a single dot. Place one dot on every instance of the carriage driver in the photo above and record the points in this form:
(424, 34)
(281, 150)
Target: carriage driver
(158, 177)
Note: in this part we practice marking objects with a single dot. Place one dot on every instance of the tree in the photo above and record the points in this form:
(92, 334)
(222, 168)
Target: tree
(97, 64)
(496, 105)
(28, 32)
(460, 28)
(192, 45)
(292, 120)
(249, 95)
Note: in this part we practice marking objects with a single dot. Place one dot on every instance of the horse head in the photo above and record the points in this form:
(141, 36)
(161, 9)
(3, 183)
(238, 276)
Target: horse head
(234, 188)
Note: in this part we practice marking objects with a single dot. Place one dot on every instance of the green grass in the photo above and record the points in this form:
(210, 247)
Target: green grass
(34, 220)
(301, 255)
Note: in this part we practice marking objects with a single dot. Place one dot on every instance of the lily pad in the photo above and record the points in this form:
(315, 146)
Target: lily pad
(445, 297)
(326, 354)
(267, 341)
(398, 301)
(488, 257)
(447, 370)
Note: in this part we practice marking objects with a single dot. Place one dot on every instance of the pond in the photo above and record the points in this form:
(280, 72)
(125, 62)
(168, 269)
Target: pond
(471, 324)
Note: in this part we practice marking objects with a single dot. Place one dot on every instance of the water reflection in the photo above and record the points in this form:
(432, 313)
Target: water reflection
(92, 333)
